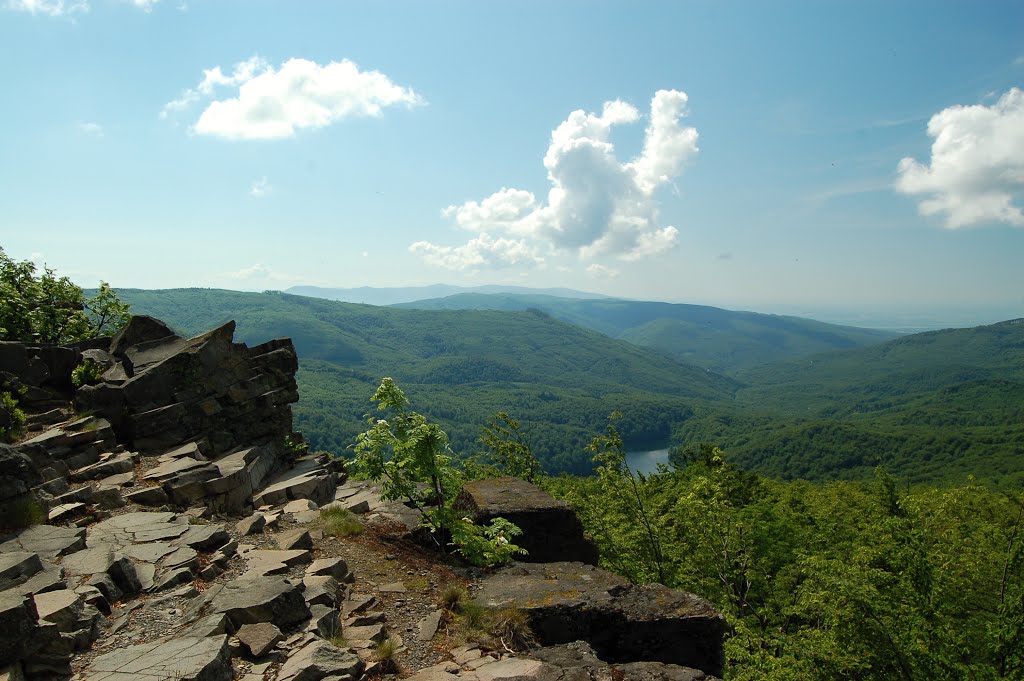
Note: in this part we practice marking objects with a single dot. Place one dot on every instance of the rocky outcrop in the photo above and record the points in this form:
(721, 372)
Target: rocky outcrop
(164, 390)
(177, 421)
(551, 530)
(568, 602)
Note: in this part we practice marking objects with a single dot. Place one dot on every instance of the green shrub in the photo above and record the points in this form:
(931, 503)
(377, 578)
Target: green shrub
(86, 373)
(411, 460)
(340, 522)
(11, 415)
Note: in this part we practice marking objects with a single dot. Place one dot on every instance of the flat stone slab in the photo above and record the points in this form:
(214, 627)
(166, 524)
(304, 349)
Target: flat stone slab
(173, 467)
(49, 541)
(290, 558)
(203, 537)
(60, 607)
(299, 505)
(148, 553)
(297, 539)
(318, 660)
(177, 659)
(17, 567)
(260, 638)
(428, 626)
(261, 599)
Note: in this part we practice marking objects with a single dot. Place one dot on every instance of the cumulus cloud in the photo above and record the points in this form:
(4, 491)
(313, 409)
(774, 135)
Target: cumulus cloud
(145, 5)
(976, 172)
(260, 188)
(481, 252)
(596, 204)
(50, 8)
(274, 103)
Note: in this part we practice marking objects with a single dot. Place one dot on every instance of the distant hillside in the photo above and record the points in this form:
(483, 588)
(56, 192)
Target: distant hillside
(390, 296)
(458, 367)
(934, 405)
(721, 340)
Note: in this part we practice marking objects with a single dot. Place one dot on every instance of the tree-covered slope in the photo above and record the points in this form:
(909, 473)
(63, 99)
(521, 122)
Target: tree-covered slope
(721, 340)
(461, 365)
(935, 405)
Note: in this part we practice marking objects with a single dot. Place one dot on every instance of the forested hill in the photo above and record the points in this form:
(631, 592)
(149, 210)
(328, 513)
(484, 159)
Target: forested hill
(935, 405)
(459, 367)
(373, 295)
(721, 340)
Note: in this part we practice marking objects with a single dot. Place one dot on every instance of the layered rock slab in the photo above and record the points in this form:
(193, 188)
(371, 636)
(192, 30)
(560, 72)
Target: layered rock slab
(624, 623)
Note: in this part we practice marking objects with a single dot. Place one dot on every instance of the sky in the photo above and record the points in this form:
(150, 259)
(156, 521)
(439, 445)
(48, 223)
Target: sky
(852, 161)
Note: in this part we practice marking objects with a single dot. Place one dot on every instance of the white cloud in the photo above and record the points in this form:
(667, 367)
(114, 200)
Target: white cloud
(602, 271)
(50, 8)
(94, 129)
(483, 251)
(976, 172)
(60, 8)
(257, 271)
(260, 188)
(274, 103)
(596, 204)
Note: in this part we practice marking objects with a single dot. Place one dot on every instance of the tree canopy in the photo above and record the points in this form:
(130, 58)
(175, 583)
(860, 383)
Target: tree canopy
(45, 308)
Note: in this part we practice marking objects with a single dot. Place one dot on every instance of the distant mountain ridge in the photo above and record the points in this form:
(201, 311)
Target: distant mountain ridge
(721, 340)
(370, 295)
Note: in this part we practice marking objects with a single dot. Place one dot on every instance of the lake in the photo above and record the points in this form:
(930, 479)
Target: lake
(646, 462)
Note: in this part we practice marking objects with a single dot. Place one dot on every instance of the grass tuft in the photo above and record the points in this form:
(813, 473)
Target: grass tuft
(340, 522)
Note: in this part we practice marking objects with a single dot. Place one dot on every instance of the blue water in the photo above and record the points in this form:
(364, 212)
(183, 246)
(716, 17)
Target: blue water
(646, 462)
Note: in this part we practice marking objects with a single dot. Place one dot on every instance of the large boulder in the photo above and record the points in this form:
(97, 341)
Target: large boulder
(551, 530)
(623, 622)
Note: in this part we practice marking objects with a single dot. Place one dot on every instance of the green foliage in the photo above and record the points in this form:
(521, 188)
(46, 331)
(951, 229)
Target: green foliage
(508, 452)
(615, 507)
(12, 418)
(411, 459)
(50, 309)
(86, 373)
(295, 445)
(485, 546)
(866, 580)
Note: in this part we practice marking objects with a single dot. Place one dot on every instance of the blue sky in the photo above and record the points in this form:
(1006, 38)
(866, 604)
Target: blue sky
(748, 155)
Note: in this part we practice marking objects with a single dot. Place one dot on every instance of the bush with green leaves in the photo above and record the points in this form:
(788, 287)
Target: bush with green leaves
(86, 373)
(411, 459)
(42, 307)
(12, 418)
